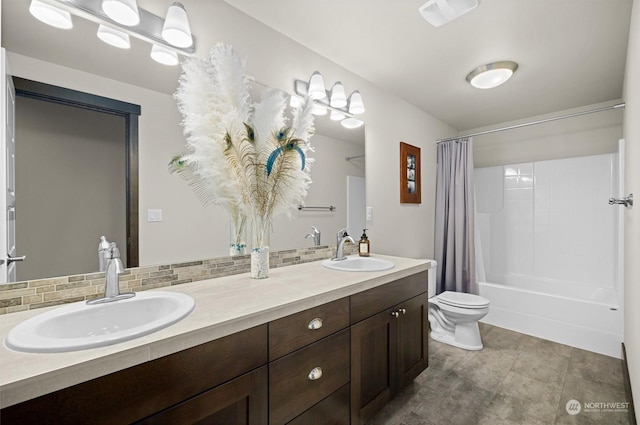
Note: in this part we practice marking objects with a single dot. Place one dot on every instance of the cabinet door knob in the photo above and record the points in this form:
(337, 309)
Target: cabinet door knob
(315, 374)
(395, 314)
(403, 310)
(315, 324)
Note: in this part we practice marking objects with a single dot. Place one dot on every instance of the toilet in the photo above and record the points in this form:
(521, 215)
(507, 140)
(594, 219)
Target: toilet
(453, 316)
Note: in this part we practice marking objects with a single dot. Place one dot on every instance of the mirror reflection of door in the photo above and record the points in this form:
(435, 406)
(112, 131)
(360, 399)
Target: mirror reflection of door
(72, 170)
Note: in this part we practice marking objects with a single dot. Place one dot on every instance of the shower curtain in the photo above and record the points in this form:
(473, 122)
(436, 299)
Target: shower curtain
(455, 212)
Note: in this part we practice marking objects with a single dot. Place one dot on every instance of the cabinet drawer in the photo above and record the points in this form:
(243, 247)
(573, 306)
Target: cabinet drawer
(298, 330)
(370, 302)
(333, 410)
(291, 388)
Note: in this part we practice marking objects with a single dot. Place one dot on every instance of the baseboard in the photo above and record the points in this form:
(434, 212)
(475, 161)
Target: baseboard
(627, 387)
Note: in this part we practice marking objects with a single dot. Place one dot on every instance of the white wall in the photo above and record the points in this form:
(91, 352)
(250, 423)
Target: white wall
(590, 134)
(631, 128)
(189, 231)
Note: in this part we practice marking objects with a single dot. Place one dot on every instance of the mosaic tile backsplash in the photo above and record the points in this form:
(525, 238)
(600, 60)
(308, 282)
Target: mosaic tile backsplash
(48, 292)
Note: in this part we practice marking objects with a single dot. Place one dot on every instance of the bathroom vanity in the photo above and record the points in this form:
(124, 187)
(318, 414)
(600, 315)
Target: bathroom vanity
(308, 345)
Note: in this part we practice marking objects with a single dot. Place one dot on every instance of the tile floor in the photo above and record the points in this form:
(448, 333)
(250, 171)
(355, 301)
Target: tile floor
(515, 379)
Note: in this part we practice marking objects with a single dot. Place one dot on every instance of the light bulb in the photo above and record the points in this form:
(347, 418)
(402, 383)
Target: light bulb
(164, 56)
(50, 15)
(113, 37)
(176, 30)
(124, 12)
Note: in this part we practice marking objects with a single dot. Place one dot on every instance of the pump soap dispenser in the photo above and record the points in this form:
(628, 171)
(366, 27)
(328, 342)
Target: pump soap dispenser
(364, 246)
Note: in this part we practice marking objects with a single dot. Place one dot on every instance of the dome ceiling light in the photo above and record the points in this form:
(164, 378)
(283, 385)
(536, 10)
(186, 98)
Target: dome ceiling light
(492, 74)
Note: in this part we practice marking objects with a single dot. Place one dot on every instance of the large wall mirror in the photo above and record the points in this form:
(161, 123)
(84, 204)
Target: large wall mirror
(339, 157)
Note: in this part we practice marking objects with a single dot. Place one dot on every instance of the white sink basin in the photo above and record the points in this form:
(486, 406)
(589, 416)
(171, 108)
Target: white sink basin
(359, 264)
(79, 326)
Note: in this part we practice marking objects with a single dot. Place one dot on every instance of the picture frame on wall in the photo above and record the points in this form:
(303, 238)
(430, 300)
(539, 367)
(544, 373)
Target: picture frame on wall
(410, 192)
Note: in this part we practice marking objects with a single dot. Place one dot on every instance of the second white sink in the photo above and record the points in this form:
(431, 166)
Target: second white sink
(359, 264)
(80, 326)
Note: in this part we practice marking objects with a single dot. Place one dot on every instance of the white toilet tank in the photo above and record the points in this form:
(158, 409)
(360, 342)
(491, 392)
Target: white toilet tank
(431, 276)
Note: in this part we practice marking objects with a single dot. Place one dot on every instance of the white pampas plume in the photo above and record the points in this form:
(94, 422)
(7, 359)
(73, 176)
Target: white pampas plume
(240, 155)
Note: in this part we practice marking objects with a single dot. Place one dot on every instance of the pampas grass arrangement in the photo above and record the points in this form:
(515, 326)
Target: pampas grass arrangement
(250, 158)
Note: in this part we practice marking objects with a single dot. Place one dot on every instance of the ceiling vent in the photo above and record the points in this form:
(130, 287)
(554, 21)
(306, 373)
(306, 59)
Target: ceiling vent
(439, 12)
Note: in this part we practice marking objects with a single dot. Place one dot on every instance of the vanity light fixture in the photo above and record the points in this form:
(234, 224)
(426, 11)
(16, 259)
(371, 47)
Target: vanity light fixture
(124, 12)
(492, 74)
(342, 108)
(176, 28)
(51, 15)
(351, 123)
(338, 98)
(114, 37)
(164, 56)
(120, 19)
(356, 106)
(337, 115)
(316, 86)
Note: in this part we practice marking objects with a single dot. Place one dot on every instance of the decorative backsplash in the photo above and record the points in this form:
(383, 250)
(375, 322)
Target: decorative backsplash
(48, 292)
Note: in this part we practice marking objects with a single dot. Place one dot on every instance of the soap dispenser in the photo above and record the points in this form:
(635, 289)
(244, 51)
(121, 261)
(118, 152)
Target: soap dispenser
(364, 244)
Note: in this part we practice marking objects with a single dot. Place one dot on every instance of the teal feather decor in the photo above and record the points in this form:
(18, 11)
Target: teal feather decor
(247, 156)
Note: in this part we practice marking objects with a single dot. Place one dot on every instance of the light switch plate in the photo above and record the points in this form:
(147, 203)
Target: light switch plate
(154, 215)
(369, 213)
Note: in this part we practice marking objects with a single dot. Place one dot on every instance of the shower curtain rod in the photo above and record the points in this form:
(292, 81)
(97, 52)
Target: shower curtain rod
(511, 127)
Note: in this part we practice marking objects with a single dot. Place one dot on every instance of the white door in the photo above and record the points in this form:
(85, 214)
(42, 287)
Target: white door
(356, 206)
(8, 255)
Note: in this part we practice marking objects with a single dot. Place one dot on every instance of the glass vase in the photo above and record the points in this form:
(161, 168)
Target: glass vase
(238, 235)
(260, 248)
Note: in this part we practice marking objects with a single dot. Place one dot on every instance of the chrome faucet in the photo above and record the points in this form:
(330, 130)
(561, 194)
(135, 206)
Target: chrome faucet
(315, 235)
(341, 238)
(110, 263)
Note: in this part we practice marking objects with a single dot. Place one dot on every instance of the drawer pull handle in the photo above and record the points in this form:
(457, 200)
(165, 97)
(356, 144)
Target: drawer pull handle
(395, 314)
(315, 374)
(315, 324)
(403, 310)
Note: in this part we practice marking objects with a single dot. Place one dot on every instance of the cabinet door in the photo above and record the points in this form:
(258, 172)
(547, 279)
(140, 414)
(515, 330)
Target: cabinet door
(373, 365)
(412, 324)
(240, 401)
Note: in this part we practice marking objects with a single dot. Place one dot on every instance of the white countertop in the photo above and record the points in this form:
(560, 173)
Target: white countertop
(224, 306)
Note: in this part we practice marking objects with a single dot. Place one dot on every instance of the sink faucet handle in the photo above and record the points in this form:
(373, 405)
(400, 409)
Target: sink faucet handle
(315, 229)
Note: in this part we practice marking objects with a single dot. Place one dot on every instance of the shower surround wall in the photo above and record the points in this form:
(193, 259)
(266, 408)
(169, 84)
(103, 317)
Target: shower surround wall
(549, 244)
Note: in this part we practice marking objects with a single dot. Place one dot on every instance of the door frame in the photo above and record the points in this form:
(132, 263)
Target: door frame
(130, 112)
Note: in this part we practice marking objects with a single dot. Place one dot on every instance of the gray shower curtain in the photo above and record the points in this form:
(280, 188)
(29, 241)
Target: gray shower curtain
(455, 213)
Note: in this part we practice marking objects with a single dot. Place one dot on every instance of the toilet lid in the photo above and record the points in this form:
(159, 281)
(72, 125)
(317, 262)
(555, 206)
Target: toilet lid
(460, 299)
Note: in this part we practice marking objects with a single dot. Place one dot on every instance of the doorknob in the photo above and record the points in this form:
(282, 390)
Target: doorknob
(11, 259)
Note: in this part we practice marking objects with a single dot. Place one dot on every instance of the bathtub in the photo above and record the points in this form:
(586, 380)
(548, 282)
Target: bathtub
(590, 318)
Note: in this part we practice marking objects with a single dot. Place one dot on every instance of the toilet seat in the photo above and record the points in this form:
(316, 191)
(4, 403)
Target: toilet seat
(462, 300)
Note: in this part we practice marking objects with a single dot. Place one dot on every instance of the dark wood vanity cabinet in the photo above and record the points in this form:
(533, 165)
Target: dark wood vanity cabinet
(310, 366)
(334, 364)
(205, 372)
(388, 349)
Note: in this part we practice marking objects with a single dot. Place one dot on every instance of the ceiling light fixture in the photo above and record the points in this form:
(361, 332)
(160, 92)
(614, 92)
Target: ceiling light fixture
(124, 12)
(116, 23)
(342, 109)
(113, 37)
(176, 28)
(51, 15)
(492, 74)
